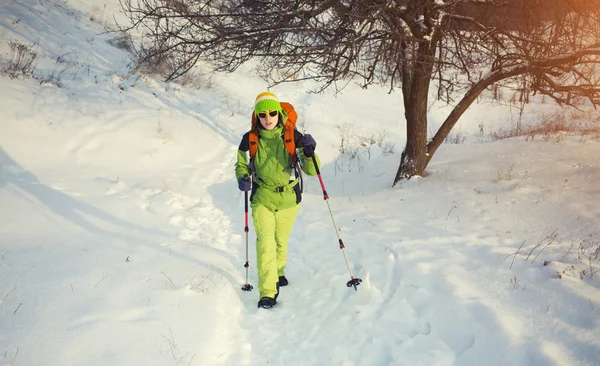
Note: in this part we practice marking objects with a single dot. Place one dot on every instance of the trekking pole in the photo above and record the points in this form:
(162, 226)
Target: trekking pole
(353, 281)
(247, 286)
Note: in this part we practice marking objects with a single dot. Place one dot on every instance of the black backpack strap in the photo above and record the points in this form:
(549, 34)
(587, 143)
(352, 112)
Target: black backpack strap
(297, 169)
(245, 143)
(245, 147)
(297, 136)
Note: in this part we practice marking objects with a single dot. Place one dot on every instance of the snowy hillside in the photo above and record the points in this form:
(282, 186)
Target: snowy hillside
(122, 242)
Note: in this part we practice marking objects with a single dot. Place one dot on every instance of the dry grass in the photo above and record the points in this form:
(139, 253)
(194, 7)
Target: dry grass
(555, 126)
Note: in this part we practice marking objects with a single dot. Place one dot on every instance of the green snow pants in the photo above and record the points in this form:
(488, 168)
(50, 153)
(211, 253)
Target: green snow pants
(272, 233)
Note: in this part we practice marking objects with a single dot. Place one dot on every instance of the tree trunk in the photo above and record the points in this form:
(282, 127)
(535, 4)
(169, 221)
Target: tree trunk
(414, 157)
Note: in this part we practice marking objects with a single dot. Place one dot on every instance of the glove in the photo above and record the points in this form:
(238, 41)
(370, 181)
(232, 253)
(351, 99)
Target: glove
(309, 144)
(245, 184)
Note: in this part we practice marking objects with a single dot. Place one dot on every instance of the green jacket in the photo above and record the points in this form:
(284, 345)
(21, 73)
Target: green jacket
(275, 186)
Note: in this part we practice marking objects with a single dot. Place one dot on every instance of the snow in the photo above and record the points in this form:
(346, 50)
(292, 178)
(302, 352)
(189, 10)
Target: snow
(122, 237)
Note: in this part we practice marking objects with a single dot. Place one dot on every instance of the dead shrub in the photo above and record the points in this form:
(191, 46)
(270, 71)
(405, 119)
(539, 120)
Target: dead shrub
(122, 40)
(589, 255)
(53, 77)
(21, 61)
(455, 138)
(150, 62)
(508, 174)
(195, 80)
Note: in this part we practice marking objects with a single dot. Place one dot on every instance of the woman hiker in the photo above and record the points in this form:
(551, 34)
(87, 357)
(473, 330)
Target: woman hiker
(276, 192)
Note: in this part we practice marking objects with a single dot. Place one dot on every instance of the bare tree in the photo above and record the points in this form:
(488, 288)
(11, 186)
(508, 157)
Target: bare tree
(548, 47)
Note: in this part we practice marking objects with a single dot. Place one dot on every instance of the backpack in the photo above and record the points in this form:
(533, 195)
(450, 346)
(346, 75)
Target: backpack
(288, 132)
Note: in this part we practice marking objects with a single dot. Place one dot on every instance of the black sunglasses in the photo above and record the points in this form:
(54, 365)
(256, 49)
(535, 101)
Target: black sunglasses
(264, 114)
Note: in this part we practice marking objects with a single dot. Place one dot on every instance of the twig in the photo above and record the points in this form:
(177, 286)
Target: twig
(17, 308)
(565, 256)
(103, 278)
(546, 235)
(171, 341)
(532, 249)
(513, 260)
(8, 294)
(515, 185)
(452, 208)
(515, 282)
(172, 284)
(540, 252)
(514, 255)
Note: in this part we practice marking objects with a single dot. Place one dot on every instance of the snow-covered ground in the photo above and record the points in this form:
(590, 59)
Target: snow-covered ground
(122, 243)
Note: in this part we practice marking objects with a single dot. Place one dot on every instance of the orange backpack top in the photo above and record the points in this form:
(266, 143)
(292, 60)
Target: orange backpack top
(288, 132)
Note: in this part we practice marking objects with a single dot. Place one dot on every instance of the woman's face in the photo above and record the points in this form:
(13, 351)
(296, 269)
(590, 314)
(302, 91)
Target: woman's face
(268, 119)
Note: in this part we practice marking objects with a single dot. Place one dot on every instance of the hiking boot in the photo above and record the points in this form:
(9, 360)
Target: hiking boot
(266, 303)
(277, 294)
(283, 281)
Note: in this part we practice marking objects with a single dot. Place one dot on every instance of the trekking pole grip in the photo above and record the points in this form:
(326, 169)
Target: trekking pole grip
(316, 165)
